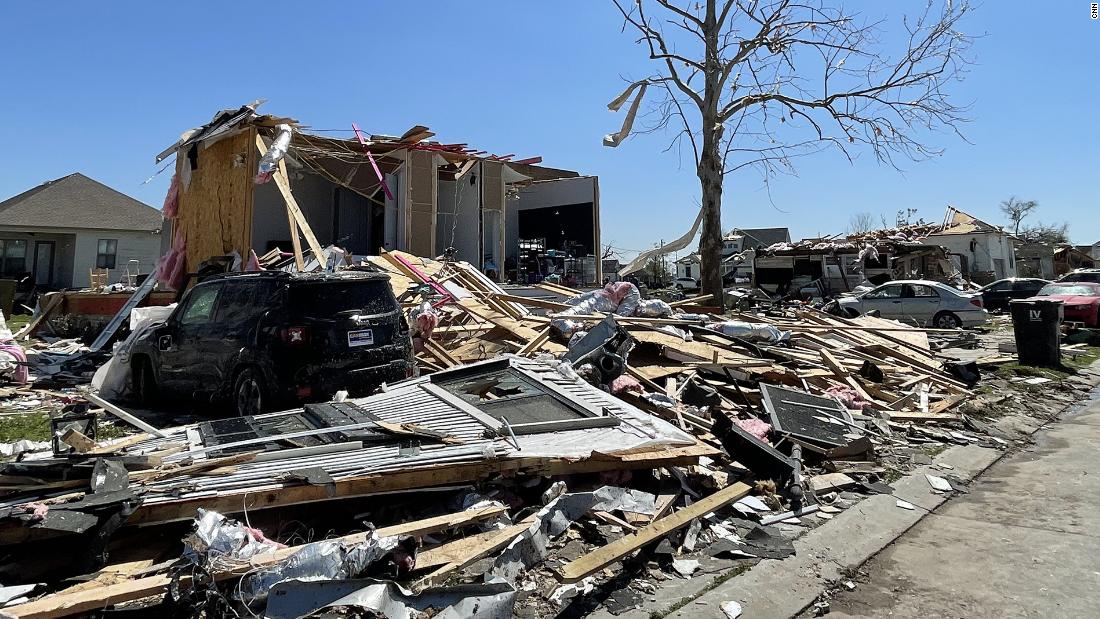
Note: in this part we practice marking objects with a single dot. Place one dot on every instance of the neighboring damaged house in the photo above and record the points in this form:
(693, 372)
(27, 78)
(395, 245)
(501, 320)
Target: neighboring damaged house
(1034, 259)
(980, 251)
(734, 243)
(370, 193)
(1068, 258)
(60, 230)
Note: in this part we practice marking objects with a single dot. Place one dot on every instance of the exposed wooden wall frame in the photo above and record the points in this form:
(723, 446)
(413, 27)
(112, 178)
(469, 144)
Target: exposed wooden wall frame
(493, 201)
(422, 198)
(215, 208)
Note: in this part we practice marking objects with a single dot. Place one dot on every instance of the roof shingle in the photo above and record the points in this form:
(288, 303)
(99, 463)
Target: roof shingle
(76, 201)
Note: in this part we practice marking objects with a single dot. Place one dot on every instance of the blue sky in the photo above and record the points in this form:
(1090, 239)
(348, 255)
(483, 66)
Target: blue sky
(102, 87)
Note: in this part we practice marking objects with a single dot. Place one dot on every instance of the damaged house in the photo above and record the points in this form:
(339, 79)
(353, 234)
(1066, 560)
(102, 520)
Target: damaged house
(370, 193)
(980, 251)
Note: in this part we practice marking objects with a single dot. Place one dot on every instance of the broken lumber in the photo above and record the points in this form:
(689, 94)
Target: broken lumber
(604, 556)
(117, 411)
(67, 603)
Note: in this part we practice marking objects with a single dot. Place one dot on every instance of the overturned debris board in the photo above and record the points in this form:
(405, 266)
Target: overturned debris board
(123, 313)
(123, 415)
(600, 558)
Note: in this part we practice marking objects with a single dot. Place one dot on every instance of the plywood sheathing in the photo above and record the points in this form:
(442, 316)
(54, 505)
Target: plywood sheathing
(215, 209)
(492, 209)
(422, 197)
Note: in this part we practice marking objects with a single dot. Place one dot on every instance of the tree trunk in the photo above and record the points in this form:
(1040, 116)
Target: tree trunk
(710, 165)
(710, 241)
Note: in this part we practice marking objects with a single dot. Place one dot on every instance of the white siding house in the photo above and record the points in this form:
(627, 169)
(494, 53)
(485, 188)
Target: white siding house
(982, 252)
(60, 230)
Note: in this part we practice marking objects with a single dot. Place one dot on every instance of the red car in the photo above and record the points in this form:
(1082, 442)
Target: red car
(1080, 300)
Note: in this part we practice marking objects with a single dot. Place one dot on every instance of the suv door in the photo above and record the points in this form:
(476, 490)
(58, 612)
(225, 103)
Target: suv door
(998, 294)
(920, 302)
(886, 299)
(232, 330)
(1024, 288)
(182, 366)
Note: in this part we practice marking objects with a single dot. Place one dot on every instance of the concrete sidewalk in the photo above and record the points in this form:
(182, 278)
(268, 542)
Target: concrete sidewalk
(1024, 543)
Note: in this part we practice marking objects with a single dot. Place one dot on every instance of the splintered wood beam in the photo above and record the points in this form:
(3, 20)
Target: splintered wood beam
(66, 603)
(282, 181)
(491, 544)
(606, 555)
(534, 345)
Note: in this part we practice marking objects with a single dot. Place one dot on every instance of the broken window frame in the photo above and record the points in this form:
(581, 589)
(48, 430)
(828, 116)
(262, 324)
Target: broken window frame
(587, 415)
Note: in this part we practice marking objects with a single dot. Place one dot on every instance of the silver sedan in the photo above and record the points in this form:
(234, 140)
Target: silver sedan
(920, 302)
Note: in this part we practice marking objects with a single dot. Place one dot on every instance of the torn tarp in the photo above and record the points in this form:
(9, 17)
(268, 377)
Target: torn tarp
(291, 599)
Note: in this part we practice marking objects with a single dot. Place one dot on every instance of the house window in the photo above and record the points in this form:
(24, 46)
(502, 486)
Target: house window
(105, 254)
(13, 258)
(687, 270)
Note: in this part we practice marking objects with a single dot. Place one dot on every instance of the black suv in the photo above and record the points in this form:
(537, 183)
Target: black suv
(260, 340)
(995, 296)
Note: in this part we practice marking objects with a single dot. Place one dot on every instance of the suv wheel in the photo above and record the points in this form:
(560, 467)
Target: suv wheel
(144, 381)
(249, 393)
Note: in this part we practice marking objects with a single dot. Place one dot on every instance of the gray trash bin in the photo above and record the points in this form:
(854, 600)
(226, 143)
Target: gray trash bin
(1036, 322)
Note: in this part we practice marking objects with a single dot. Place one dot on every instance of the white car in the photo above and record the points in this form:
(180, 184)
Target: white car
(685, 283)
(919, 302)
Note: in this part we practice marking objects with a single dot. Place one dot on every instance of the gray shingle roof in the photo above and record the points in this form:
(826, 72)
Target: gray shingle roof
(76, 201)
(764, 237)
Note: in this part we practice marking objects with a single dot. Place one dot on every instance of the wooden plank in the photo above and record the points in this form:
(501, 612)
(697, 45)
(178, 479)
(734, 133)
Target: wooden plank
(541, 303)
(53, 302)
(929, 416)
(490, 545)
(123, 415)
(67, 603)
(604, 556)
(458, 549)
(534, 345)
(295, 242)
(692, 300)
(282, 181)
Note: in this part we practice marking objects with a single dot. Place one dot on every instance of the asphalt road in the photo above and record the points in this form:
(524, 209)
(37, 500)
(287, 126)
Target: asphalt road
(1024, 543)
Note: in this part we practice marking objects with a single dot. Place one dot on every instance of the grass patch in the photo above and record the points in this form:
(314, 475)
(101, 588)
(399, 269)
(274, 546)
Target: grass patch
(17, 322)
(32, 426)
(1012, 370)
(35, 426)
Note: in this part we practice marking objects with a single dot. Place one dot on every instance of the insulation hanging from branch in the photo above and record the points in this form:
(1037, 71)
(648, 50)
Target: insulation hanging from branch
(614, 139)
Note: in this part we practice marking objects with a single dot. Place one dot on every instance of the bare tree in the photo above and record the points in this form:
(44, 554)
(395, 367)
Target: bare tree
(861, 223)
(756, 83)
(1016, 210)
(1052, 234)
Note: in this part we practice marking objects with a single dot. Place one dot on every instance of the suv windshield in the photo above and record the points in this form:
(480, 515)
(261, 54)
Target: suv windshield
(1075, 289)
(326, 298)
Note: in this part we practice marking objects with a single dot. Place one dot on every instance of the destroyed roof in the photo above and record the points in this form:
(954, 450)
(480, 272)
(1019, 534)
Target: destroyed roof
(762, 237)
(76, 201)
(958, 222)
(348, 161)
